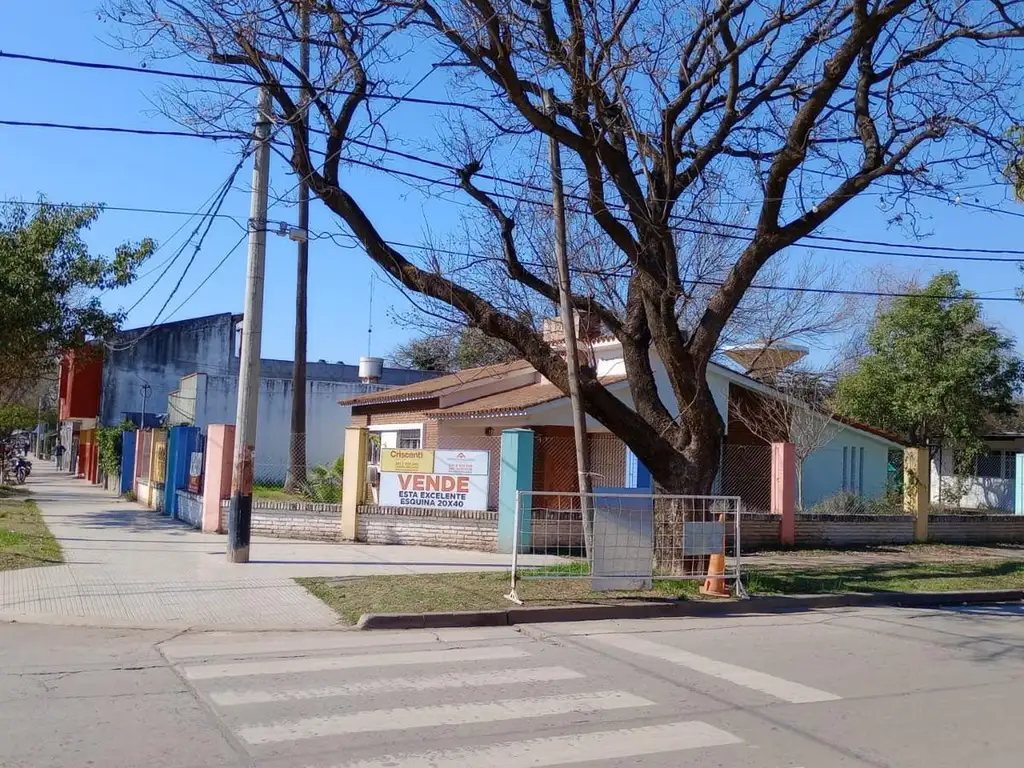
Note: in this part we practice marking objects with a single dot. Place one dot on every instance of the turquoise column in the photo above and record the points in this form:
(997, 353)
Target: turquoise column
(1018, 485)
(516, 474)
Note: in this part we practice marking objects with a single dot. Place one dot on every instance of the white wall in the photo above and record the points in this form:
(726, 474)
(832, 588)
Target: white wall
(325, 419)
(974, 492)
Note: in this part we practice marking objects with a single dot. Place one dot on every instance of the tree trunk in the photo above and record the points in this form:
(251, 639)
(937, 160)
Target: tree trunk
(686, 471)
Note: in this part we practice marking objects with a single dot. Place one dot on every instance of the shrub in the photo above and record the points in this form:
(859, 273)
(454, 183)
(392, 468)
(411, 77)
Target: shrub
(324, 484)
(847, 503)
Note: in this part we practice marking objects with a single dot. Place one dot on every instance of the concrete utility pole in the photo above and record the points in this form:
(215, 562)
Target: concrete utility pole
(145, 390)
(579, 417)
(296, 474)
(240, 511)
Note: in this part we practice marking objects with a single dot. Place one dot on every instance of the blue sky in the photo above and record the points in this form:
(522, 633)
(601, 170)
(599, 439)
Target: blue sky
(180, 174)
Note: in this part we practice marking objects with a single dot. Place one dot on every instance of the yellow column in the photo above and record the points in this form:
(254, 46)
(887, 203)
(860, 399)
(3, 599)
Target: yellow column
(917, 489)
(354, 481)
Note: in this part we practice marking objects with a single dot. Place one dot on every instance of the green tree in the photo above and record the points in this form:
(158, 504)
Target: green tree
(469, 348)
(934, 369)
(48, 285)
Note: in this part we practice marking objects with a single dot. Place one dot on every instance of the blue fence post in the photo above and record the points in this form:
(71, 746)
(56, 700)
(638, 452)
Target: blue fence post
(181, 441)
(516, 475)
(127, 461)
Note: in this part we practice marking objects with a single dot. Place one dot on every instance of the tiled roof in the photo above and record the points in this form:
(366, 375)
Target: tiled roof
(431, 388)
(514, 402)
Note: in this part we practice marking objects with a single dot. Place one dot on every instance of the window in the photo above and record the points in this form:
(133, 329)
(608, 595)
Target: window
(853, 469)
(408, 439)
(989, 464)
(996, 464)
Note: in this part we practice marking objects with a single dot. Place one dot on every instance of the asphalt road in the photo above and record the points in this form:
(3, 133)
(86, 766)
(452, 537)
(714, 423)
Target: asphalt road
(883, 687)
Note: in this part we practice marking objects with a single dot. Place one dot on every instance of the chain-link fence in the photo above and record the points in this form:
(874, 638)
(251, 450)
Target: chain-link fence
(290, 470)
(746, 472)
(627, 540)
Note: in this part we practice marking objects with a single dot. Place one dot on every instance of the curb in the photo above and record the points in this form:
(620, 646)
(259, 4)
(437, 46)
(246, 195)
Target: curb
(682, 609)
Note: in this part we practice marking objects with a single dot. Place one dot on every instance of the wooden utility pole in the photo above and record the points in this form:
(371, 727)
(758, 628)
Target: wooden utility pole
(579, 417)
(240, 510)
(296, 474)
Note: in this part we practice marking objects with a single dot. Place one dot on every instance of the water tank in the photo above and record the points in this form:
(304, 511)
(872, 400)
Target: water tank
(370, 369)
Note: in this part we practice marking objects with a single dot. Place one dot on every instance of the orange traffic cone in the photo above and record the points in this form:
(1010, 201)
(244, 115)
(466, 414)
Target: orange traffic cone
(714, 584)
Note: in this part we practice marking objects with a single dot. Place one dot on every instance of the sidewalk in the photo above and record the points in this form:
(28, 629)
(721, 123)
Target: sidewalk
(130, 566)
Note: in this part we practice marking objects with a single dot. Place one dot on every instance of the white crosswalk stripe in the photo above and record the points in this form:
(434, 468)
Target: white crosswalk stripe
(786, 690)
(290, 644)
(402, 718)
(456, 680)
(562, 750)
(416, 700)
(329, 663)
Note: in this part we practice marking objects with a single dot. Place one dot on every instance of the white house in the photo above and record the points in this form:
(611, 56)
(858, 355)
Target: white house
(470, 408)
(989, 483)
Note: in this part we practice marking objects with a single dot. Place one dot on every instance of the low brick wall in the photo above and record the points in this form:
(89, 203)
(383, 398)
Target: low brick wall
(759, 531)
(450, 528)
(976, 529)
(291, 520)
(853, 530)
(190, 509)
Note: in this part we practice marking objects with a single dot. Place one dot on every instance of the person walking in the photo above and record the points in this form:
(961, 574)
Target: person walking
(58, 452)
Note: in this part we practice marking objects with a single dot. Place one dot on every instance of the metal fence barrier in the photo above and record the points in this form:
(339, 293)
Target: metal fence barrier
(623, 540)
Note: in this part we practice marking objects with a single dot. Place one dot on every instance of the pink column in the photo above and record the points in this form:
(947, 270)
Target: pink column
(220, 448)
(137, 465)
(784, 491)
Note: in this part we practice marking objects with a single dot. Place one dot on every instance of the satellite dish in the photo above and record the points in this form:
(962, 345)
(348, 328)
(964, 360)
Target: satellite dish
(765, 358)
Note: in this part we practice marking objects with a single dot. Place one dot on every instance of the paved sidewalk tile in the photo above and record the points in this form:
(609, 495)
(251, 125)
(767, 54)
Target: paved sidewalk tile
(128, 565)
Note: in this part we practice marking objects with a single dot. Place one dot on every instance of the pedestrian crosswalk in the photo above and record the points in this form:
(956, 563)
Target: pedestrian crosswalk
(628, 743)
(499, 700)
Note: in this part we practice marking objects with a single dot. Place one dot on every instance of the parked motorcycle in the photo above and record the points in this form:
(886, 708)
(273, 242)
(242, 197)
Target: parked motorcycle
(22, 469)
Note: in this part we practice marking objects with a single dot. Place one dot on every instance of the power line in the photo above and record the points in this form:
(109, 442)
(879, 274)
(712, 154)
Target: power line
(95, 65)
(208, 218)
(117, 129)
(212, 272)
(691, 281)
(928, 249)
(76, 63)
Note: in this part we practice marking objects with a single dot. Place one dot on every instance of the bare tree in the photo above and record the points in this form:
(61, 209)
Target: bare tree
(667, 113)
(798, 412)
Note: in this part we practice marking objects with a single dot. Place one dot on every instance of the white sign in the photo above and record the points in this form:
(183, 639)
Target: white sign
(195, 465)
(462, 462)
(436, 491)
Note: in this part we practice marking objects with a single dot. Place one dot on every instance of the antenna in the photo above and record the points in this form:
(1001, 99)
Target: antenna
(369, 329)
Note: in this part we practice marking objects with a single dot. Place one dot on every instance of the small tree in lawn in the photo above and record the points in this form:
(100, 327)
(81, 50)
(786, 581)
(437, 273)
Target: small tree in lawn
(935, 372)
